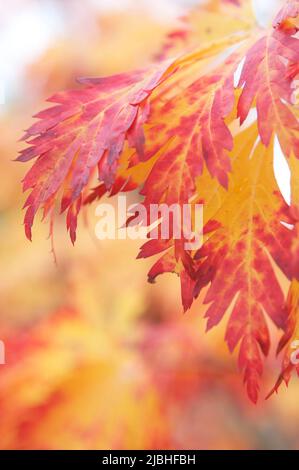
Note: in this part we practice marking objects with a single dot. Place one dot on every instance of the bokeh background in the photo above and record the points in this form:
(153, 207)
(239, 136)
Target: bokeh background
(95, 357)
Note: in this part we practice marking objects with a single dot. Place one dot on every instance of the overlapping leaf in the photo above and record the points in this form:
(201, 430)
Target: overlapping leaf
(204, 23)
(193, 136)
(87, 128)
(289, 342)
(237, 257)
(265, 81)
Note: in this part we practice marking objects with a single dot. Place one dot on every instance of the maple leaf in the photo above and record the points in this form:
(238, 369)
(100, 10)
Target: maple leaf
(175, 259)
(205, 23)
(181, 147)
(193, 135)
(87, 128)
(289, 341)
(236, 257)
(265, 80)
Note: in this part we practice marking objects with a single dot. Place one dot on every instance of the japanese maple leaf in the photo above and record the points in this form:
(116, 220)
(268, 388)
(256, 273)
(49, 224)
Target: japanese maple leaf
(289, 343)
(265, 80)
(204, 23)
(236, 256)
(86, 129)
(191, 129)
(181, 147)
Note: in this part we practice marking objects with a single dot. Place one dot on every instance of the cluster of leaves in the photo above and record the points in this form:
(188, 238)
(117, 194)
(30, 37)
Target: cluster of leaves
(199, 127)
(62, 388)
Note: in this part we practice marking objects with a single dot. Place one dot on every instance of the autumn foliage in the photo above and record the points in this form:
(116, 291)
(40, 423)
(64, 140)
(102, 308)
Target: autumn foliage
(198, 125)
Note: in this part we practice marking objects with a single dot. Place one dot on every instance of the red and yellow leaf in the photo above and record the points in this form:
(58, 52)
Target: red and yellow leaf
(288, 13)
(290, 340)
(237, 257)
(204, 23)
(85, 130)
(266, 83)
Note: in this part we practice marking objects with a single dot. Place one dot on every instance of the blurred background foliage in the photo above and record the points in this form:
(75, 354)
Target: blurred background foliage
(95, 357)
